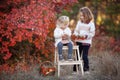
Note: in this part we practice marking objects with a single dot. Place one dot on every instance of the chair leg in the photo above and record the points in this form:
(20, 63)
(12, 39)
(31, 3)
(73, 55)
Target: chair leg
(58, 70)
(55, 58)
(79, 59)
(76, 60)
(81, 65)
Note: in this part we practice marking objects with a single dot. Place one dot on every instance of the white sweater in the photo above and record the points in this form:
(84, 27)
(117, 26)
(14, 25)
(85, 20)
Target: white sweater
(58, 32)
(83, 29)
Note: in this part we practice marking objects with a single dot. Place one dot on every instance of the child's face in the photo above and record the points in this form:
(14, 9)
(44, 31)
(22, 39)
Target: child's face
(63, 26)
(82, 18)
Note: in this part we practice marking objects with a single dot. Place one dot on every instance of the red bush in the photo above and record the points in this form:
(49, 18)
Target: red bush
(22, 19)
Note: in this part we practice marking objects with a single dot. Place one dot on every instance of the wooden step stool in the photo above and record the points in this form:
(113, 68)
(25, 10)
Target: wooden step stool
(73, 62)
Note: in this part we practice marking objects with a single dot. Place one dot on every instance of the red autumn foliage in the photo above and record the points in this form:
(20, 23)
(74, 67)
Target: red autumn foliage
(103, 42)
(22, 19)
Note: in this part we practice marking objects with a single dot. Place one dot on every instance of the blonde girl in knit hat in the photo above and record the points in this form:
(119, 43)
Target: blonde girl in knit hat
(62, 35)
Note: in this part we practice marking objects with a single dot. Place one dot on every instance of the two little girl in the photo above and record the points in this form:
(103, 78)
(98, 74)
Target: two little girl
(85, 29)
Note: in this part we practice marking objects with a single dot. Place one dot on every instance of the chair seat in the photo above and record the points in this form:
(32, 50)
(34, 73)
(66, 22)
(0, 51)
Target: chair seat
(74, 47)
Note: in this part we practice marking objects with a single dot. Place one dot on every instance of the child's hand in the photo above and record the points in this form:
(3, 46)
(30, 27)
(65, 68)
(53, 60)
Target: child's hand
(82, 37)
(73, 37)
(65, 36)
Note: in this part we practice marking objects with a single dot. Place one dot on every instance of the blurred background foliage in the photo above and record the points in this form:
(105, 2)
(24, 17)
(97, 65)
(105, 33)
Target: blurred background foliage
(106, 15)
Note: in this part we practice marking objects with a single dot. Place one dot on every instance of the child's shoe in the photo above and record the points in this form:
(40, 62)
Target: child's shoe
(61, 58)
(70, 58)
(86, 71)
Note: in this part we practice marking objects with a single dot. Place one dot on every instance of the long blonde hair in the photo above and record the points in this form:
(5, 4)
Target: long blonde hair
(88, 15)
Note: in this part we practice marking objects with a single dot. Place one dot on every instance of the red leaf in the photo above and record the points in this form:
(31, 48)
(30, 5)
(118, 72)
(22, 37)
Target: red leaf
(7, 56)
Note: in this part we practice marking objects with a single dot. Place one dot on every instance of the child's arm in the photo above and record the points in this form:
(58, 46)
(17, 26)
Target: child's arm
(76, 31)
(57, 35)
(92, 31)
(68, 32)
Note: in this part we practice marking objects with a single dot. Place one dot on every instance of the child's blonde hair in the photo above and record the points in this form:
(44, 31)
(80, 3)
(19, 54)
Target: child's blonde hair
(88, 16)
(62, 20)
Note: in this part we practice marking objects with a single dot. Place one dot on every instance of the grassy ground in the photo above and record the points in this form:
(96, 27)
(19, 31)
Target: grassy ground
(103, 66)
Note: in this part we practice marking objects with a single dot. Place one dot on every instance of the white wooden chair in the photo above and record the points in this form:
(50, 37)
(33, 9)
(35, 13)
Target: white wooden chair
(74, 62)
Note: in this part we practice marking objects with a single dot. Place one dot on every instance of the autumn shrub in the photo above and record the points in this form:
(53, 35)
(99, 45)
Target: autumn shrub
(105, 43)
(27, 29)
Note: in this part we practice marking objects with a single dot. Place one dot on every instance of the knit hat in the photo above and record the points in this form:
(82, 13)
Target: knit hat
(62, 20)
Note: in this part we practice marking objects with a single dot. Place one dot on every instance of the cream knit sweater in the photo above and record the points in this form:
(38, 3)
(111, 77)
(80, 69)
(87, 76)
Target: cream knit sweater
(83, 29)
